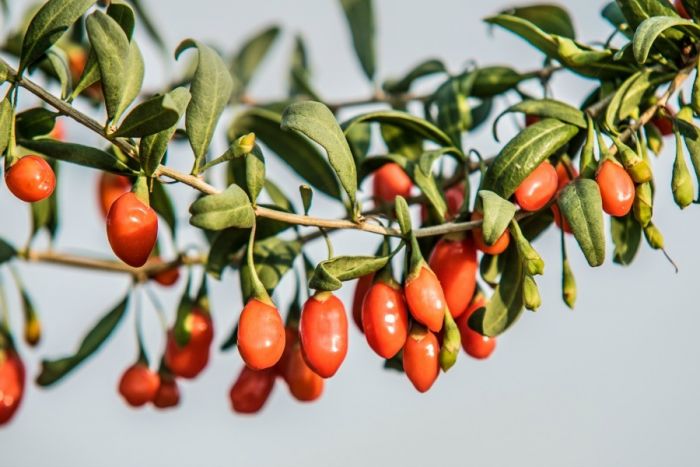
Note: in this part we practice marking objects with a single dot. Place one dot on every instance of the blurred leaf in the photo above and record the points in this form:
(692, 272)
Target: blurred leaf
(7, 251)
(581, 205)
(83, 155)
(37, 121)
(399, 141)
(230, 208)
(360, 17)
(47, 26)
(148, 24)
(45, 213)
(626, 236)
(163, 205)
(298, 152)
(299, 72)
(211, 90)
(552, 19)
(403, 85)
(359, 138)
(53, 370)
(251, 55)
(273, 258)
(493, 80)
(454, 115)
(626, 100)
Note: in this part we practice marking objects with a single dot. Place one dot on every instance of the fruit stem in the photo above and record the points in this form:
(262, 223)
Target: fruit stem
(140, 189)
(258, 289)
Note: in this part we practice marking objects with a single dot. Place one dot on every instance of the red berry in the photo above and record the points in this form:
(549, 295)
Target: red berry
(389, 181)
(189, 360)
(420, 358)
(31, 179)
(168, 394)
(261, 335)
(499, 245)
(361, 288)
(132, 229)
(304, 384)
(110, 188)
(680, 8)
(11, 384)
(167, 277)
(426, 299)
(139, 385)
(616, 188)
(454, 263)
(663, 122)
(251, 390)
(385, 319)
(473, 343)
(323, 330)
(538, 188)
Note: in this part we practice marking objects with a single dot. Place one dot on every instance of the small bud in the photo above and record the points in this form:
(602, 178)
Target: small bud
(655, 141)
(681, 182)
(642, 207)
(568, 285)
(531, 294)
(451, 342)
(32, 332)
(654, 237)
(244, 144)
(532, 261)
(636, 166)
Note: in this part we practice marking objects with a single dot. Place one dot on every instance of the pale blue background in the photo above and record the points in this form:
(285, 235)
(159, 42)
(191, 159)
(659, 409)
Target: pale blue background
(614, 383)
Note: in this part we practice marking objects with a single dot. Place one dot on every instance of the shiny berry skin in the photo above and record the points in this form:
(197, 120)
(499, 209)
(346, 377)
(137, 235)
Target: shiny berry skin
(361, 288)
(167, 277)
(499, 245)
(473, 343)
(110, 188)
(139, 385)
(132, 229)
(426, 299)
(538, 188)
(323, 331)
(303, 383)
(680, 8)
(251, 390)
(31, 179)
(420, 359)
(189, 360)
(261, 335)
(454, 263)
(390, 181)
(663, 123)
(168, 394)
(11, 384)
(616, 188)
(385, 319)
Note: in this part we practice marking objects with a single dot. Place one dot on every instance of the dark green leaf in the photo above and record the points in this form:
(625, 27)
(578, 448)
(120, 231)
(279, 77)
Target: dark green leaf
(48, 25)
(626, 236)
(230, 208)
(58, 62)
(83, 155)
(300, 73)
(453, 112)
(273, 257)
(34, 122)
(360, 16)
(211, 90)
(625, 103)
(581, 205)
(251, 55)
(403, 85)
(405, 121)
(498, 213)
(493, 80)
(163, 205)
(7, 251)
(148, 24)
(53, 370)
(45, 213)
(546, 108)
(152, 116)
(400, 141)
(359, 138)
(330, 274)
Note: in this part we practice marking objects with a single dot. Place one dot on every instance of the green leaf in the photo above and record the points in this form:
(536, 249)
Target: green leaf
(152, 148)
(230, 208)
(613, 14)
(300, 73)
(315, 121)
(111, 48)
(545, 108)
(298, 152)
(34, 122)
(681, 184)
(249, 172)
(163, 205)
(691, 138)
(251, 55)
(405, 121)
(278, 197)
(58, 62)
(181, 332)
(498, 213)
(628, 97)
(506, 303)
(273, 258)
(152, 116)
(148, 24)
(581, 205)
(552, 19)
(226, 243)
(45, 213)
(7, 115)
(360, 17)
(399, 141)
(626, 236)
(454, 115)
(524, 153)
(528, 31)
(83, 155)
(493, 80)
(423, 69)
(7, 251)
(421, 173)
(359, 138)
(331, 273)
(650, 29)
(133, 80)
(211, 90)
(54, 370)
(47, 26)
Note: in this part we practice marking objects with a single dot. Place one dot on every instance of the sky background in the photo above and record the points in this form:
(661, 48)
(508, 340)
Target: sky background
(614, 382)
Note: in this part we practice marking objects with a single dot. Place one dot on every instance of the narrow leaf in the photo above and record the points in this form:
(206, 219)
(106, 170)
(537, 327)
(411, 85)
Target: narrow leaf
(83, 155)
(582, 207)
(360, 17)
(498, 213)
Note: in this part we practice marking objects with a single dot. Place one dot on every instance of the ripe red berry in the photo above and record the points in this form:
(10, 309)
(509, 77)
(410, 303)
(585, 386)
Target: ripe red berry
(168, 394)
(389, 181)
(454, 197)
(167, 277)
(473, 343)
(538, 188)
(499, 245)
(663, 122)
(138, 385)
(251, 390)
(11, 384)
(454, 263)
(303, 383)
(189, 360)
(385, 319)
(132, 229)
(323, 330)
(260, 335)
(31, 179)
(420, 358)
(110, 188)
(426, 299)
(680, 8)
(361, 288)
(616, 188)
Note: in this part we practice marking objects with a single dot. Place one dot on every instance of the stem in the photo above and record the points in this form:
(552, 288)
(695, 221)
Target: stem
(258, 289)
